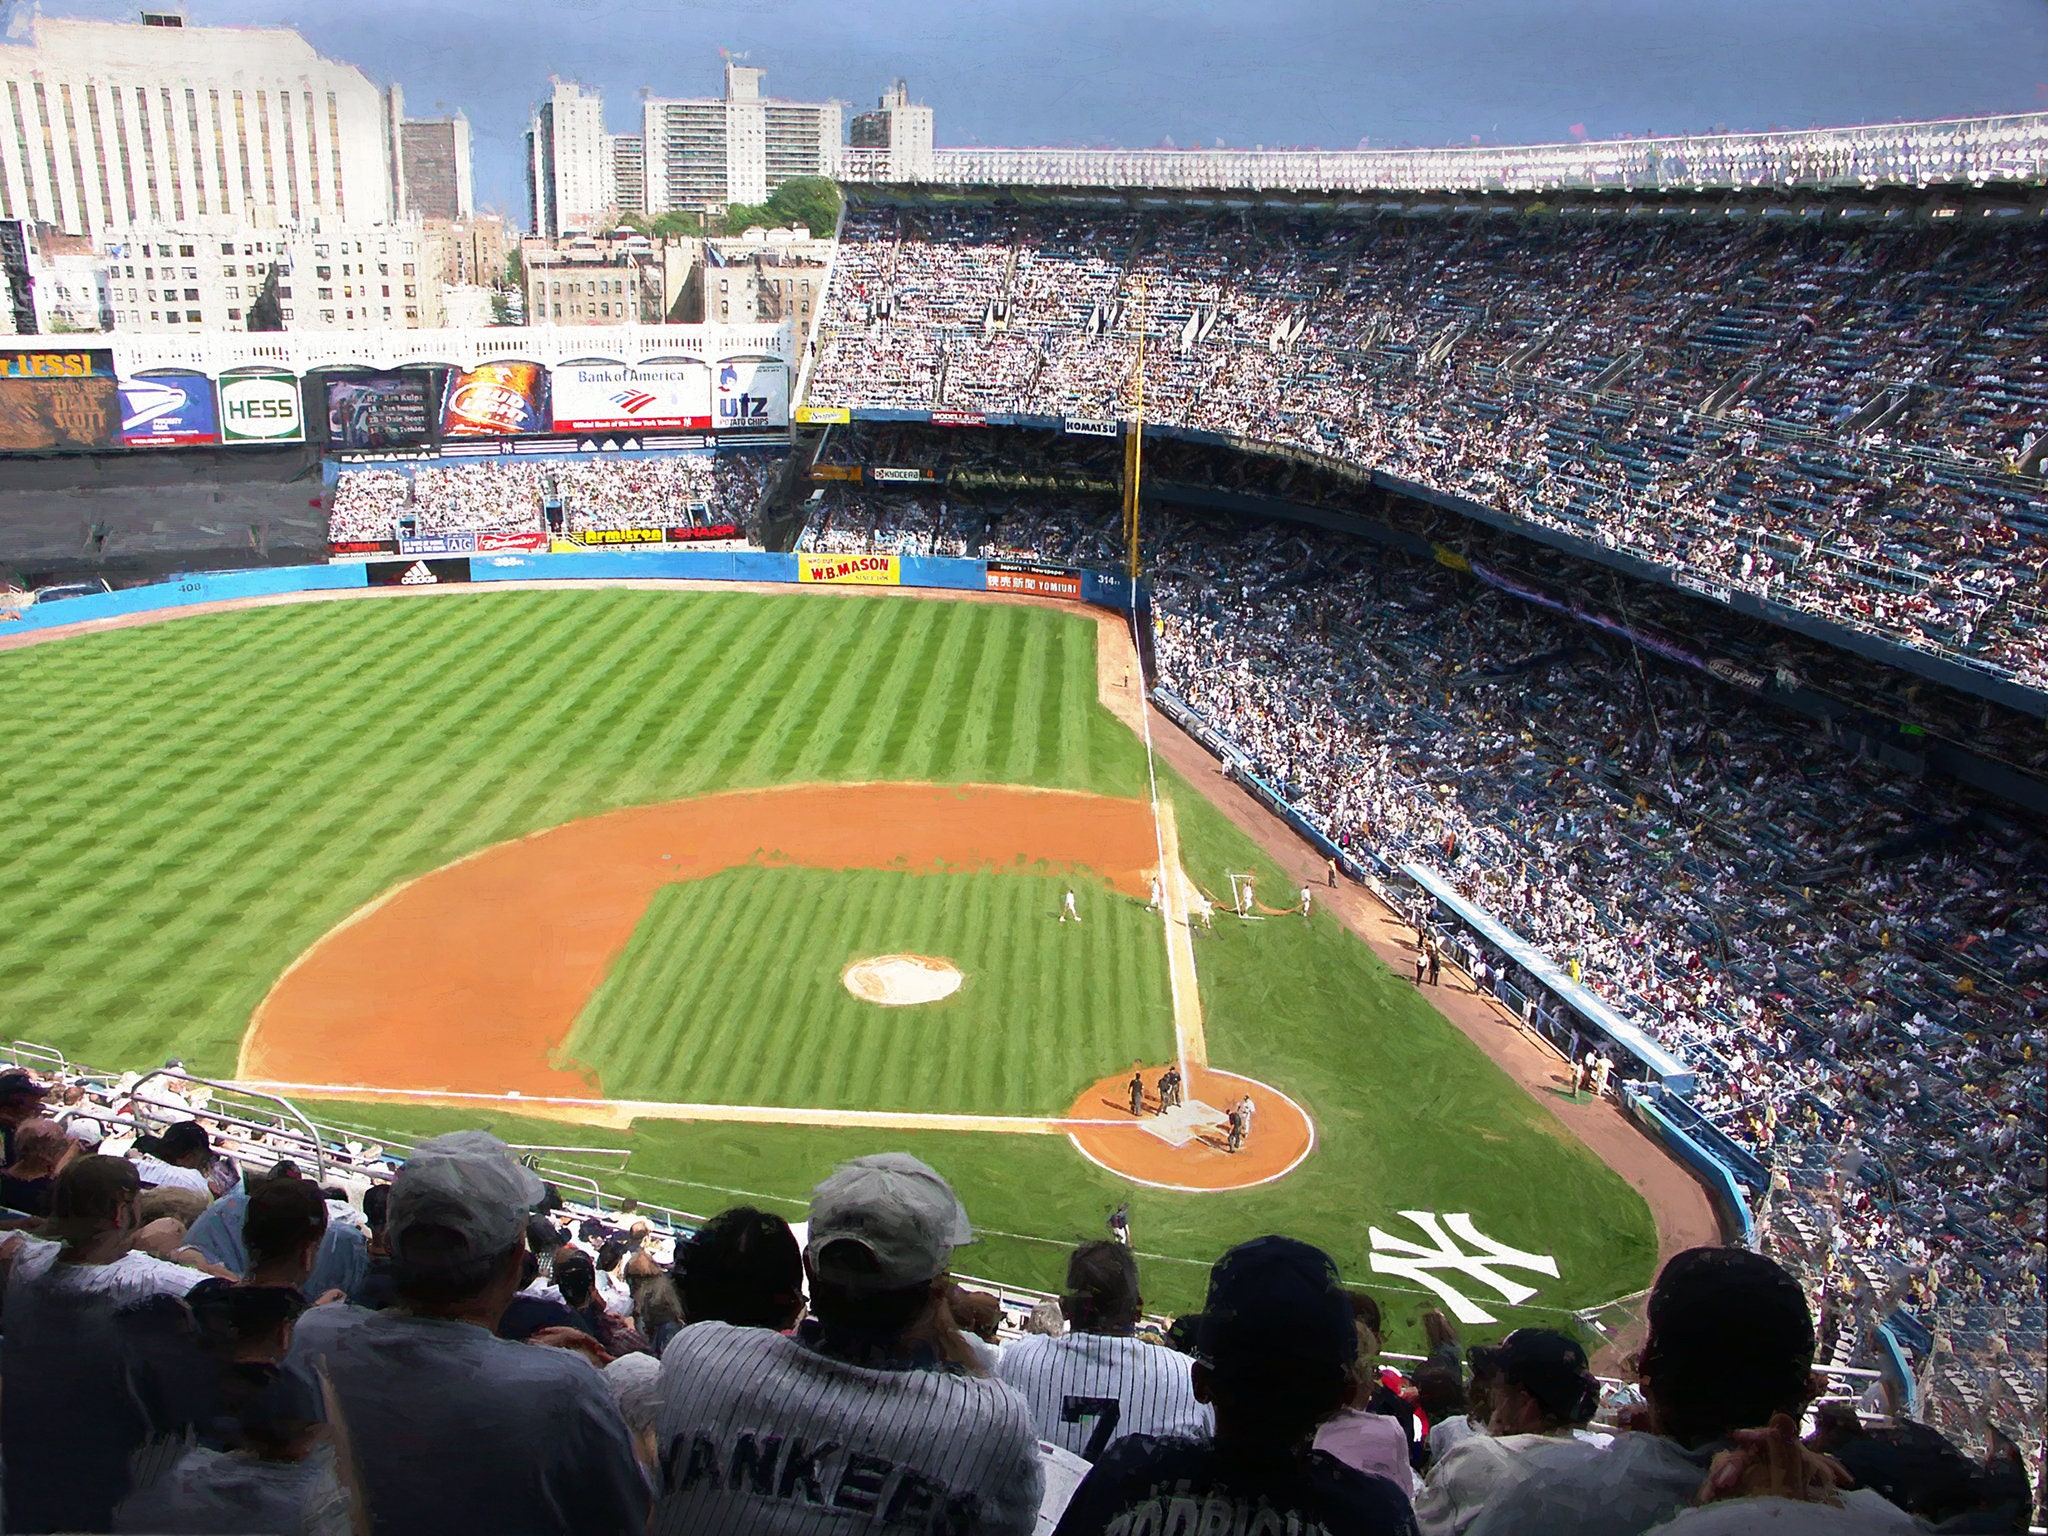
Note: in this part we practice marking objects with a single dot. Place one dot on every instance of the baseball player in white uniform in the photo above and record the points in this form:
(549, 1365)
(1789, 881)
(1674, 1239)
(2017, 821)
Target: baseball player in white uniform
(1158, 894)
(1089, 1388)
(1068, 909)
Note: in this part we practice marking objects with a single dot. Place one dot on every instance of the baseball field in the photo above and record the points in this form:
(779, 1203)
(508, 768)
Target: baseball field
(602, 867)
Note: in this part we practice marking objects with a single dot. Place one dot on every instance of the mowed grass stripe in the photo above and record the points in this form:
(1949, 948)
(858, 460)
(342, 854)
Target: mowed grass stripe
(193, 803)
(763, 1017)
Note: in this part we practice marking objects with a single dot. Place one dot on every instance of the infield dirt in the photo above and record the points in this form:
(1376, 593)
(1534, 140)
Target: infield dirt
(468, 979)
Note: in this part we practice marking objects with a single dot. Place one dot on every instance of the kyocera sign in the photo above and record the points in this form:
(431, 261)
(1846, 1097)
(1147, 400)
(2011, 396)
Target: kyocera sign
(261, 408)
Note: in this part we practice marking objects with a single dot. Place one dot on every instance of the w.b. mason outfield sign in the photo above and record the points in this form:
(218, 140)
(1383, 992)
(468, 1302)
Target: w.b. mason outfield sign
(261, 408)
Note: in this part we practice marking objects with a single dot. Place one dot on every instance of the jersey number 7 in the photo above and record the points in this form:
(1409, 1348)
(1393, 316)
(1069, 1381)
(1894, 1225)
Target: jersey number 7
(1105, 1411)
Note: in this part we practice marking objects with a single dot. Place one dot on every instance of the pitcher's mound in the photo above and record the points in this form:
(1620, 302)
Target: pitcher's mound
(896, 981)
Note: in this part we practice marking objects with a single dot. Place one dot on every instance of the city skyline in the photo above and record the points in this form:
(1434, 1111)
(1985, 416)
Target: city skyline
(1139, 75)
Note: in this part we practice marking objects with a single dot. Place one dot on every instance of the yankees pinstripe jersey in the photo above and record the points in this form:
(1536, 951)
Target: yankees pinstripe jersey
(1086, 1391)
(760, 1433)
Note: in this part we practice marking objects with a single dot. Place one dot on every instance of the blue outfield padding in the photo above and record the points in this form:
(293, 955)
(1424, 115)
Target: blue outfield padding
(594, 565)
(1721, 1185)
(184, 591)
(944, 571)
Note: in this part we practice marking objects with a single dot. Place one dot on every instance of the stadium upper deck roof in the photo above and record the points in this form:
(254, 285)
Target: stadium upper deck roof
(1962, 152)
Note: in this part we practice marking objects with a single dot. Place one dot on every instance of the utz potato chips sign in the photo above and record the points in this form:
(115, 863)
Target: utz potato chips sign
(261, 408)
(172, 408)
(751, 393)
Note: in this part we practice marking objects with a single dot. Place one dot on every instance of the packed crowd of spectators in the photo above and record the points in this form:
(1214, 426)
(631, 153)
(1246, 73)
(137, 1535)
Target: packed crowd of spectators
(1063, 532)
(193, 1340)
(1846, 419)
(498, 497)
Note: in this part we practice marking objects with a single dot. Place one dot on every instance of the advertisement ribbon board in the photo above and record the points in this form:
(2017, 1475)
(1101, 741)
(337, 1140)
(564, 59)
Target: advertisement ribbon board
(601, 396)
(823, 415)
(850, 570)
(884, 474)
(168, 408)
(261, 407)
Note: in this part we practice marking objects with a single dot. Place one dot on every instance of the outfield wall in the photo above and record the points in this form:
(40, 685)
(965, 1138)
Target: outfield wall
(931, 572)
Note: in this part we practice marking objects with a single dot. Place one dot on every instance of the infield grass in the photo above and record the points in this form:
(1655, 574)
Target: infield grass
(730, 993)
(188, 806)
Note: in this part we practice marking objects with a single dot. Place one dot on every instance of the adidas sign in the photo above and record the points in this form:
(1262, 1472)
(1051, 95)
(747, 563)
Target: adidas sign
(419, 576)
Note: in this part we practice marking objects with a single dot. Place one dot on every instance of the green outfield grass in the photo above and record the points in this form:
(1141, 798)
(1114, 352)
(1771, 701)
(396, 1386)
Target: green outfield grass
(190, 805)
(730, 993)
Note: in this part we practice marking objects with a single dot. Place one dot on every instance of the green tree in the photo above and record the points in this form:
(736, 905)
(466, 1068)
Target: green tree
(811, 201)
(515, 270)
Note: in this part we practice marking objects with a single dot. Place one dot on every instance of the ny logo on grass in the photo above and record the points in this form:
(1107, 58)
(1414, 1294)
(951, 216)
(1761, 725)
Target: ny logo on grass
(1398, 1256)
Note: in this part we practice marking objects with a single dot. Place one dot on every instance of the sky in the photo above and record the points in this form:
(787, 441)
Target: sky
(1136, 73)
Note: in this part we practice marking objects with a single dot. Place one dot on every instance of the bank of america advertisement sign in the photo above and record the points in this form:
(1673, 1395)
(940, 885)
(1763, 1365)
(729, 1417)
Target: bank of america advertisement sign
(612, 397)
(752, 392)
(261, 408)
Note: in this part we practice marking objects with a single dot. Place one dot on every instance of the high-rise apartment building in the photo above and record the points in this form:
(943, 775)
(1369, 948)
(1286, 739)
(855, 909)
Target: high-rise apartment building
(629, 172)
(738, 148)
(899, 126)
(569, 161)
(108, 125)
(434, 164)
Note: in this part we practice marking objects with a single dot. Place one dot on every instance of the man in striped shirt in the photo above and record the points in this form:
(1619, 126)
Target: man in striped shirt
(856, 1422)
(1090, 1388)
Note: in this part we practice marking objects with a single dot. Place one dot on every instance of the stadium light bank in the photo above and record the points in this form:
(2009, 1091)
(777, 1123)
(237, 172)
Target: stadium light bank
(1975, 151)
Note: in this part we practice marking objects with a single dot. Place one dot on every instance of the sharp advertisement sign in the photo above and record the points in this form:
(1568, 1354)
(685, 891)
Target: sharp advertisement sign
(752, 393)
(602, 396)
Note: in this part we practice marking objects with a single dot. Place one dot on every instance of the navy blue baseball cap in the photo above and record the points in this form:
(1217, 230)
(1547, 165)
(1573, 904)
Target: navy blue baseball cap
(1274, 1298)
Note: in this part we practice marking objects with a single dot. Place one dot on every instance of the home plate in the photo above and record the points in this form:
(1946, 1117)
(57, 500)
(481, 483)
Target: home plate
(1184, 1123)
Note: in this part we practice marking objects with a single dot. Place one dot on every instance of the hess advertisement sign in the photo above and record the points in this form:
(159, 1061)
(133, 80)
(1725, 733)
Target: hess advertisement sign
(261, 408)
(752, 394)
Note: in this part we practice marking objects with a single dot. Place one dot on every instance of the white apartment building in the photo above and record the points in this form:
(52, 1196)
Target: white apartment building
(899, 127)
(569, 161)
(738, 148)
(330, 277)
(112, 125)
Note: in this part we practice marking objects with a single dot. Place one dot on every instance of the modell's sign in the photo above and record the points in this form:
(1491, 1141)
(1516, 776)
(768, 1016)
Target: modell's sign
(261, 408)
(958, 419)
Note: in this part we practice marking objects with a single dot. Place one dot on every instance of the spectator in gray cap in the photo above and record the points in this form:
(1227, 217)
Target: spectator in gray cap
(453, 1428)
(859, 1420)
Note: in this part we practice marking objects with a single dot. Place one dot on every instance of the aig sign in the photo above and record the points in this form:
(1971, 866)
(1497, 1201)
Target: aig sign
(261, 408)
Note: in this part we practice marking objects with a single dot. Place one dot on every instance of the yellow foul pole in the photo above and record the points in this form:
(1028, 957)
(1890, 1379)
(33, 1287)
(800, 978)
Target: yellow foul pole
(1134, 438)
